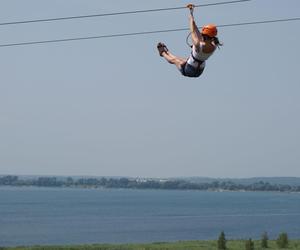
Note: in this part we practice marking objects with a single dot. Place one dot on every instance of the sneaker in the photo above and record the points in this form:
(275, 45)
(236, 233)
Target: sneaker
(161, 48)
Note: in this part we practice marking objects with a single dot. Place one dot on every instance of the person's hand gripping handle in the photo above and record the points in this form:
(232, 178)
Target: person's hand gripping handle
(191, 7)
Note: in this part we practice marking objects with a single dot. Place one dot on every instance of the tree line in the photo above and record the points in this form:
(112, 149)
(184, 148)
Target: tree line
(130, 183)
(282, 241)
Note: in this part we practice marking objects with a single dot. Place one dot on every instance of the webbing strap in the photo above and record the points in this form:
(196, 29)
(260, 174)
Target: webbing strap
(197, 60)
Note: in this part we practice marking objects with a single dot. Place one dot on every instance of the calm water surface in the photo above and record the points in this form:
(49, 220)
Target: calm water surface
(31, 216)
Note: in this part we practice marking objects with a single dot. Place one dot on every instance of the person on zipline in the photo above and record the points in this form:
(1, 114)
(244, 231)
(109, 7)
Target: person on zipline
(204, 45)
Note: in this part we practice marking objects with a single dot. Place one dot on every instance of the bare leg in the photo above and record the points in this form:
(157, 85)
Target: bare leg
(178, 61)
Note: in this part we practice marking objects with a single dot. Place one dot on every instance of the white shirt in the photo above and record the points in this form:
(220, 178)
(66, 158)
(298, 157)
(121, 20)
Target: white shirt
(199, 55)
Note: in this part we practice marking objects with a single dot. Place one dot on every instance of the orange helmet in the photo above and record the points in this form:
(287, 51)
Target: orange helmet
(210, 30)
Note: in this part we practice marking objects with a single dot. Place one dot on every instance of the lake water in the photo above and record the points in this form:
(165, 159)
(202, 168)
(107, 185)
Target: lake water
(31, 216)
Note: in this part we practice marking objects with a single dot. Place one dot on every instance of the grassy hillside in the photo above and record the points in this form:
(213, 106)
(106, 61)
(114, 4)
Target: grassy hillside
(184, 245)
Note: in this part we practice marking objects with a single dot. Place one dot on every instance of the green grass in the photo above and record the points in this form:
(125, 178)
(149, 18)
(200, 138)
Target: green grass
(181, 245)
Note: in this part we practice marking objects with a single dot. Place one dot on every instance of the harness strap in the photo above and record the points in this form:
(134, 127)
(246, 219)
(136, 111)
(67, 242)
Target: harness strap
(197, 60)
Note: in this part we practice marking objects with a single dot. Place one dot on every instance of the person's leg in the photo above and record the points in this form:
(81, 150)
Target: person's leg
(172, 59)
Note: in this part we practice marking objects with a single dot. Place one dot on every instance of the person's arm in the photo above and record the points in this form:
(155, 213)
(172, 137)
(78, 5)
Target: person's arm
(196, 35)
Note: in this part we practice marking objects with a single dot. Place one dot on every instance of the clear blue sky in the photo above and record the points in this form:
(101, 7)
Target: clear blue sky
(114, 107)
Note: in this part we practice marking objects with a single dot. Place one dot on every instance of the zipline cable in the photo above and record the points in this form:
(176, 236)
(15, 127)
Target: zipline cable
(117, 13)
(144, 33)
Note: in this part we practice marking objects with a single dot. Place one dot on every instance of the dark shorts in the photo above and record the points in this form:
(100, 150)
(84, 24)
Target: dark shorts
(190, 71)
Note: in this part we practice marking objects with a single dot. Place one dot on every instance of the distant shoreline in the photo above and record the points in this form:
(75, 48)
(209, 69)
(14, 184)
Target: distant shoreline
(144, 184)
(141, 189)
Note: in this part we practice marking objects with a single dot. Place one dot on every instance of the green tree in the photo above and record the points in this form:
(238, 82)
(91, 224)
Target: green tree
(249, 245)
(282, 240)
(264, 240)
(222, 241)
